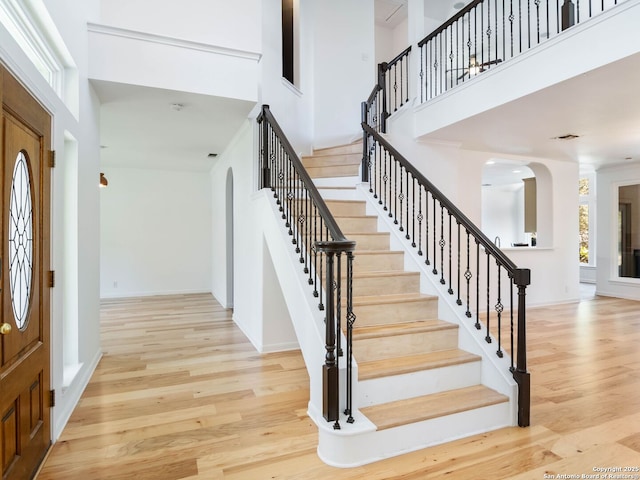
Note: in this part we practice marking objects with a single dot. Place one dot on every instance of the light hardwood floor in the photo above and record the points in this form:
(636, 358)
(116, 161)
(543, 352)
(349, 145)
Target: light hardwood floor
(182, 394)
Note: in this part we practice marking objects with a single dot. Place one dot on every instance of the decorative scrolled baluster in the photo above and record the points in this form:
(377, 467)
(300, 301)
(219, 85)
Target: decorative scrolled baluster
(499, 309)
(458, 300)
(351, 318)
(468, 275)
(487, 337)
(477, 324)
(442, 243)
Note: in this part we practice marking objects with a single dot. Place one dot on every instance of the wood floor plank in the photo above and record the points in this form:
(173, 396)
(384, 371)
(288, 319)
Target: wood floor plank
(181, 394)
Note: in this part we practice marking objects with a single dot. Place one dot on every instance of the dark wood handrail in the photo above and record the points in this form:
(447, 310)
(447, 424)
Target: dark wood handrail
(480, 237)
(398, 57)
(323, 210)
(450, 22)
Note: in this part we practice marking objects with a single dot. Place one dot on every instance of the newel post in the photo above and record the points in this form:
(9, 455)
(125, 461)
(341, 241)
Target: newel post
(266, 171)
(330, 371)
(522, 278)
(364, 110)
(568, 14)
(382, 83)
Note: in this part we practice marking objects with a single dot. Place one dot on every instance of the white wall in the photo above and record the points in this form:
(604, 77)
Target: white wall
(216, 22)
(344, 69)
(502, 213)
(156, 232)
(607, 280)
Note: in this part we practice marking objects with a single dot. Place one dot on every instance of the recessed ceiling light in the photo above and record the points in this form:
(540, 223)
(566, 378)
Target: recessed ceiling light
(516, 171)
(491, 162)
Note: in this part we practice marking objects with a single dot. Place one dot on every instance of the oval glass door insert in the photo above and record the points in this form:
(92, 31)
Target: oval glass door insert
(20, 241)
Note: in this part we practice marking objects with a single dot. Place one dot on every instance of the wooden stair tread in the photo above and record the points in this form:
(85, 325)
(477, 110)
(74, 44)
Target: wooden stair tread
(414, 363)
(394, 298)
(412, 410)
(402, 328)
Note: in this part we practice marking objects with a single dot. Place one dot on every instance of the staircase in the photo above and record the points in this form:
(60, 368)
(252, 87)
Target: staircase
(415, 386)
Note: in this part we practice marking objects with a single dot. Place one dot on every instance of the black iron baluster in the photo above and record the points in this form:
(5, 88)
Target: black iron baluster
(511, 320)
(413, 211)
(442, 243)
(481, 34)
(315, 252)
(450, 290)
(401, 197)
(395, 191)
(528, 23)
(537, 4)
(322, 254)
(338, 299)
(385, 178)
(548, 24)
(477, 325)
(488, 336)
(435, 255)
(420, 218)
(351, 318)
(395, 88)
(468, 275)
(451, 54)
(458, 300)
(511, 19)
(421, 74)
(520, 23)
(391, 159)
(499, 310)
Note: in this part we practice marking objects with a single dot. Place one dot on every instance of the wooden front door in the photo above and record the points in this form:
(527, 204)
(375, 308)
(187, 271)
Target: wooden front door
(25, 140)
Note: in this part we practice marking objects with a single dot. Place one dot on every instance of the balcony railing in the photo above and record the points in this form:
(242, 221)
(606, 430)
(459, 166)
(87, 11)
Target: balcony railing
(486, 33)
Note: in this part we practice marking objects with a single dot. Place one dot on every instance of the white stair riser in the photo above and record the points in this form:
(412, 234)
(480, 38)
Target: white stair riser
(354, 450)
(333, 171)
(346, 208)
(332, 160)
(388, 284)
(341, 149)
(380, 348)
(337, 181)
(425, 382)
(377, 262)
(400, 312)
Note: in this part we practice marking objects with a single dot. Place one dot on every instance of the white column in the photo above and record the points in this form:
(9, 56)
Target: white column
(415, 31)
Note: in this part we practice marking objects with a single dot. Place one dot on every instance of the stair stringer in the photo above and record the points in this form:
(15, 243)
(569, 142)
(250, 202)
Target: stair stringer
(495, 372)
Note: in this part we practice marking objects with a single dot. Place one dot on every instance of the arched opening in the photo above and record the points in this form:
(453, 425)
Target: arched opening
(517, 203)
(229, 239)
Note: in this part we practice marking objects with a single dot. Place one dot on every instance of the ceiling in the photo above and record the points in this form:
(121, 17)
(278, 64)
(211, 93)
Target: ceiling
(601, 107)
(143, 127)
(391, 13)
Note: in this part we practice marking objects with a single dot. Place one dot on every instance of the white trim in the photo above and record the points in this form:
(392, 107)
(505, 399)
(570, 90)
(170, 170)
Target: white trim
(171, 41)
(110, 296)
